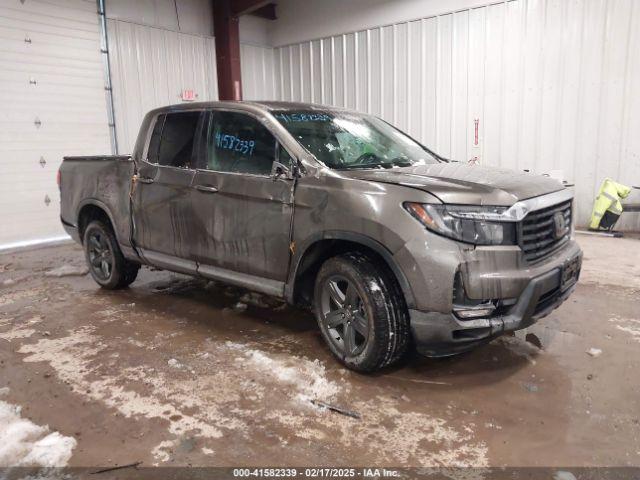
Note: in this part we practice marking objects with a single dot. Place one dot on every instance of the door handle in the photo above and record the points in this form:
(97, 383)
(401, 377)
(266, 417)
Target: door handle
(145, 180)
(206, 189)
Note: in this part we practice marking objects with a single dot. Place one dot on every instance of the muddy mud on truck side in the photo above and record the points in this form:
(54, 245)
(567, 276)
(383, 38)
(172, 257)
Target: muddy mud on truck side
(390, 244)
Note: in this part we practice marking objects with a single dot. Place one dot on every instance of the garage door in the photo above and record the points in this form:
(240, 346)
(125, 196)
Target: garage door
(53, 104)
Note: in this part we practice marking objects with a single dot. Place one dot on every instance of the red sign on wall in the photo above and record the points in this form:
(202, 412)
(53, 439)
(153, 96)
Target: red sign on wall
(188, 96)
(476, 138)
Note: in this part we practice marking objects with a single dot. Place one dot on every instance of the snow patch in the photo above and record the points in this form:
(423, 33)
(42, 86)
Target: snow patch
(307, 377)
(240, 307)
(25, 444)
(19, 332)
(403, 434)
(634, 332)
(628, 325)
(218, 401)
(594, 352)
(10, 298)
(253, 298)
(71, 358)
(173, 363)
(67, 271)
(162, 451)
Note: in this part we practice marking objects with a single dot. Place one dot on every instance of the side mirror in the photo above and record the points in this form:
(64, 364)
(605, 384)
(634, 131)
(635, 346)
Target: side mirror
(279, 170)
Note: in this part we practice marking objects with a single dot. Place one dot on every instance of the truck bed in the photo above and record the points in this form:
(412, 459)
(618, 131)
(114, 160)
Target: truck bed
(103, 181)
(106, 158)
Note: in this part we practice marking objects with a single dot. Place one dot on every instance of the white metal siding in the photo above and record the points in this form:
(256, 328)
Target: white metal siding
(56, 77)
(151, 66)
(554, 84)
(257, 72)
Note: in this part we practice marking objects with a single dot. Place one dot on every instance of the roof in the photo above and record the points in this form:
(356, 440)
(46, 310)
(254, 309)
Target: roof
(268, 106)
(293, 106)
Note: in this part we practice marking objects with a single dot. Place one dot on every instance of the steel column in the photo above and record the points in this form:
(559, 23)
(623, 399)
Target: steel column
(227, 36)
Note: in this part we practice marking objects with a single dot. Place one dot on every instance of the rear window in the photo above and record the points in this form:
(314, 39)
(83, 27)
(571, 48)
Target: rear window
(175, 140)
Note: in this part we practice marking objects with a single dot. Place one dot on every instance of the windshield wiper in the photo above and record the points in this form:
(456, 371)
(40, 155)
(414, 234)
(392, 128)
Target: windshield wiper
(385, 165)
(400, 162)
(360, 166)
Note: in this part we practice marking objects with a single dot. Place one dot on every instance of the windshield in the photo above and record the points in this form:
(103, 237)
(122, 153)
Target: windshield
(347, 141)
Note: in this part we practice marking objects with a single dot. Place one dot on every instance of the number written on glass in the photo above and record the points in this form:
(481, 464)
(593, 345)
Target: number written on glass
(231, 142)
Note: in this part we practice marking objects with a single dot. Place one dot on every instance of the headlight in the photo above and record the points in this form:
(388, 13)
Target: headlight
(469, 224)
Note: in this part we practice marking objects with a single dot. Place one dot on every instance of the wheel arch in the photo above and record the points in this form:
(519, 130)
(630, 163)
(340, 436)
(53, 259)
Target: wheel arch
(322, 246)
(93, 209)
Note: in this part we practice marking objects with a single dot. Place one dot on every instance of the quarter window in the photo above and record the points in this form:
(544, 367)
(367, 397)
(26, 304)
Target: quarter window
(154, 142)
(239, 143)
(284, 158)
(176, 140)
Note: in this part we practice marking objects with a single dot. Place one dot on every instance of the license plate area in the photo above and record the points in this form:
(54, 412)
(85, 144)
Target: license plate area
(570, 272)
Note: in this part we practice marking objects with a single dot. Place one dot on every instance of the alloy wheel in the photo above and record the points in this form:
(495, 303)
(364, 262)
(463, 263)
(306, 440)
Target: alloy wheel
(100, 255)
(343, 315)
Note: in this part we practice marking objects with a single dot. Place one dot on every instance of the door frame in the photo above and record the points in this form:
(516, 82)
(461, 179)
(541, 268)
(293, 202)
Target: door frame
(152, 257)
(255, 282)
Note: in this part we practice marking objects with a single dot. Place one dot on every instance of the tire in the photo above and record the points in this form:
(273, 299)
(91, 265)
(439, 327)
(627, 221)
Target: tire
(107, 265)
(370, 296)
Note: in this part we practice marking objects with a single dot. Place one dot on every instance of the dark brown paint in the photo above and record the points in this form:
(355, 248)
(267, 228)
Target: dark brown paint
(254, 230)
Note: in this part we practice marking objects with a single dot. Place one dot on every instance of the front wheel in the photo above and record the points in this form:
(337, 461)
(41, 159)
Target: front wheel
(361, 312)
(107, 265)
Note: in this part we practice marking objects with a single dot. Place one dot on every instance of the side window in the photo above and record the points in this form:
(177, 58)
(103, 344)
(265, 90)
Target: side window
(154, 141)
(239, 143)
(284, 158)
(176, 142)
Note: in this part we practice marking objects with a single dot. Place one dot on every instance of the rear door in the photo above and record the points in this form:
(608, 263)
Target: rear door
(242, 213)
(161, 194)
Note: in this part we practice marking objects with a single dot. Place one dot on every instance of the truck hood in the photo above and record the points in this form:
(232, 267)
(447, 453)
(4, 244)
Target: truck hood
(459, 183)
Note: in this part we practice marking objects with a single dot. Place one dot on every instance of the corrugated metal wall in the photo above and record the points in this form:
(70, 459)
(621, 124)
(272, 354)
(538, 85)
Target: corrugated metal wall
(552, 85)
(53, 104)
(257, 72)
(152, 66)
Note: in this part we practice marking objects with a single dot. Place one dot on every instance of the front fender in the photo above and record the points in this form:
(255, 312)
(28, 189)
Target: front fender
(354, 237)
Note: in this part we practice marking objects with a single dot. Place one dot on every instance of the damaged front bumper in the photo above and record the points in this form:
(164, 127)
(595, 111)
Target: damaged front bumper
(443, 334)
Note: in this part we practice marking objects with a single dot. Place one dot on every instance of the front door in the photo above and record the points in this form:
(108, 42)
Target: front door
(242, 214)
(161, 197)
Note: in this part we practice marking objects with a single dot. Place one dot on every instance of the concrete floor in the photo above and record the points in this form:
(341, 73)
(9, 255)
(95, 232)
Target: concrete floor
(175, 371)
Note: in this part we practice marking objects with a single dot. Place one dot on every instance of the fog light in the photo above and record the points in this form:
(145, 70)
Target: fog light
(476, 311)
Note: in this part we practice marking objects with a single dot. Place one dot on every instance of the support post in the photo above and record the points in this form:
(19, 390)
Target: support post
(108, 87)
(227, 34)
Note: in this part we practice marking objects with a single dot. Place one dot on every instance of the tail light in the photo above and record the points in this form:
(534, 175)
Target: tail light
(59, 179)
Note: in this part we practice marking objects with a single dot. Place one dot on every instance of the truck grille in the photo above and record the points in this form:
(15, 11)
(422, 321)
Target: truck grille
(537, 232)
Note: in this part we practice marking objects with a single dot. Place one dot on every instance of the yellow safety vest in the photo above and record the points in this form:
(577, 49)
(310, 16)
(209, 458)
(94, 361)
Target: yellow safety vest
(608, 199)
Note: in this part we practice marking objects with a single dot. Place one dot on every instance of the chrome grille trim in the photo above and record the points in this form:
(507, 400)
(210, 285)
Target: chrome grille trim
(536, 232)
(521, 209)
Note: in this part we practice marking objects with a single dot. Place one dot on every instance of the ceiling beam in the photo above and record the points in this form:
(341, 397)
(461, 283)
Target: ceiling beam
(243, 7)
(268, 12)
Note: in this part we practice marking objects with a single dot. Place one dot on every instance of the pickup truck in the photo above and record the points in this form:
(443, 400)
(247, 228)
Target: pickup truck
(391, 245)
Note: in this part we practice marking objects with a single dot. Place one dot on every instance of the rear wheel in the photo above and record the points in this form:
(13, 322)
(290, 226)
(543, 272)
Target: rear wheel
(361, 312)
(107, 265)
